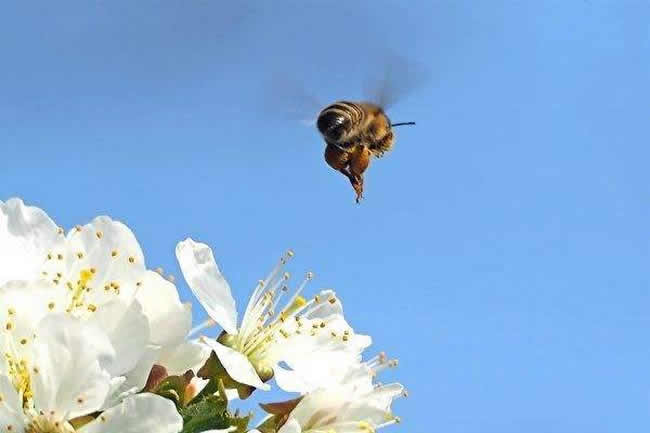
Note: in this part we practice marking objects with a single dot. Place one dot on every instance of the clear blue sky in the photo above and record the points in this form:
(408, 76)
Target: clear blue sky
(502, 250)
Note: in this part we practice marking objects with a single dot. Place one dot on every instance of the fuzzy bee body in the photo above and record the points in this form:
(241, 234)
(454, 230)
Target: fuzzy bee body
(354, 133)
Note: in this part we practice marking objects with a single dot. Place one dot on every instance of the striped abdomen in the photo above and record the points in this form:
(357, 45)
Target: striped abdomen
(347, 124)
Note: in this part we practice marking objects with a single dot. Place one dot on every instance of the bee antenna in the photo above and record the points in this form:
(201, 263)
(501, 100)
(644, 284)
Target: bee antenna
(402, 123)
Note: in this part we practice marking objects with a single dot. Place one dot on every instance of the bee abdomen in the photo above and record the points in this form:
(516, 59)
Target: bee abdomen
(336, 121)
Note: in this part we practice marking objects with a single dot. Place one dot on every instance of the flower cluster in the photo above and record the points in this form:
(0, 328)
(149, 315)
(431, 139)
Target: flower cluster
(93, 341)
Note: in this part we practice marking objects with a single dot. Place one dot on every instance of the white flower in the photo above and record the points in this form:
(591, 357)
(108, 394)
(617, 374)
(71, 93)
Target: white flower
(310, 336)
(354, 405)
(57, 381)
(97, 272)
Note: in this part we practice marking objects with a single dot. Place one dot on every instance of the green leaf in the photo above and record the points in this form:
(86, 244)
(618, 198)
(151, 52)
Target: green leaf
(241, 423)
(269, 426)
(173, 388)
(208, 414)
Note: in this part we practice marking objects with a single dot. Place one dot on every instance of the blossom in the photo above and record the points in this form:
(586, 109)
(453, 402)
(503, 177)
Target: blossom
(97, 273)
(310, 336)
(356, 404)
(59, 380)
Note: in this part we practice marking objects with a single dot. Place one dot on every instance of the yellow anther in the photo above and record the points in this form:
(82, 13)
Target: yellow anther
(365, 426)
(85, 276)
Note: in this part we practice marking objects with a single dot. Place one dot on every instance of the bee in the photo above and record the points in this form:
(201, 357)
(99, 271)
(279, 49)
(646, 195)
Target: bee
(354, 133)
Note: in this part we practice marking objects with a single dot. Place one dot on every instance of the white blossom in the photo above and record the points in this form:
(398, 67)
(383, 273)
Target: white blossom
(310, 336)
(97, 272)
(354, 405)
(56, 381)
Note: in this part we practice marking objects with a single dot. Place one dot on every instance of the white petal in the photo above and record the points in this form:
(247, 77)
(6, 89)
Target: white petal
(189, 355)
(289, 381)
(382, 396)
(11, 410)
(170, 320)
(228, 430)
(127, 328)
(291, 426)
(135, 379)
(329, 305)
(207, 283)
(24, 304)
(237, 365)
(27, 234)
(142, 413)
(319, 402)
(111, 249)
(68, 374)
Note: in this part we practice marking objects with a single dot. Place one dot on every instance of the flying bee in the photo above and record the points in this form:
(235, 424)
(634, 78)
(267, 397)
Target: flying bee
(354, 133)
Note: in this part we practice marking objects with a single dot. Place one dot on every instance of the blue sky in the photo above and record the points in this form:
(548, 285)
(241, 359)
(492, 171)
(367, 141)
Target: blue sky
(502, 250)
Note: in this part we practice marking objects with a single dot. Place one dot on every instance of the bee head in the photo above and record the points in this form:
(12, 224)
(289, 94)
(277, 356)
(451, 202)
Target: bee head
(332, 125)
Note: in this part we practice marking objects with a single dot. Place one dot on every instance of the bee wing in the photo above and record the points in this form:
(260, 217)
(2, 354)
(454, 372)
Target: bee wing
(286, 98)
(395, 80)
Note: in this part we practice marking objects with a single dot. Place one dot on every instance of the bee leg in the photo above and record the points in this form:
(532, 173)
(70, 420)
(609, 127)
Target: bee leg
(359, 162)
(357, 184)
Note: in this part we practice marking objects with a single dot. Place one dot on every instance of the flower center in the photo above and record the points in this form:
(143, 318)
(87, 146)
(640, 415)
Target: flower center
(18, 372)
(45, 424)
(78, 291)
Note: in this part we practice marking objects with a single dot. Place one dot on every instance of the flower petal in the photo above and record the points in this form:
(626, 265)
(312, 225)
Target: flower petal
(142, 413)
(169, 319)
(127, 328)
(291, 426)
(289, 381)
(237, 365)
(111, 250)
(189, 355)
(207, 283)
(24, 304)
(10, 406)
(27, 234)
(68, 372)
(134, 380)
